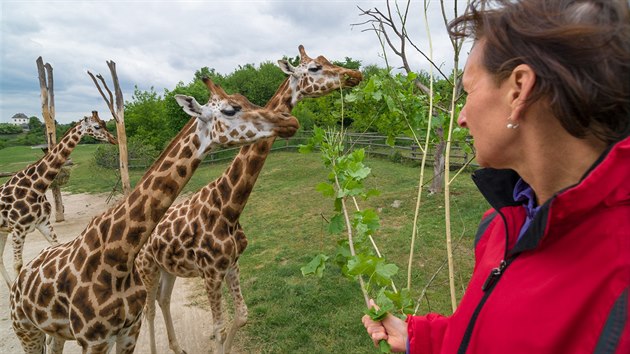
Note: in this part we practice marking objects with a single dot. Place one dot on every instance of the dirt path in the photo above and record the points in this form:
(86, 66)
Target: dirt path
(193, 324)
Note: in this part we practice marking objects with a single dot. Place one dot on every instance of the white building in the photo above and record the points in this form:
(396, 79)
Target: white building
(20, 119)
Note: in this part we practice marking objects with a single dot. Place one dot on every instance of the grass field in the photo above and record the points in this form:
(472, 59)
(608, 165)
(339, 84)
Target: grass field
(285, 221)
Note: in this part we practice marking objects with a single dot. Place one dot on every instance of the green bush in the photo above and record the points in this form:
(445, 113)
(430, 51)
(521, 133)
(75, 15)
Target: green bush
(140, 155)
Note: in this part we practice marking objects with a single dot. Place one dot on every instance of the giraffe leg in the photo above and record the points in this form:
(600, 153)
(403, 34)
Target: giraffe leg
(100, 348)
(150, 278)
(56, 345)
(213, 288)
(33, 340)
(49, 233)
(18, 237)
(232, 279)
(3, 269)
(128, 337)
(167, 281)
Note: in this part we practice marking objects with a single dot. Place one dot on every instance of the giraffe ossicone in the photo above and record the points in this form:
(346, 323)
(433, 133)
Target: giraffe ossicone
(23, 204)
(201, 236)
(87, 289)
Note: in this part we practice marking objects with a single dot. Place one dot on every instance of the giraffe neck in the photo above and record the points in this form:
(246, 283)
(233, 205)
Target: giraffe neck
(126, 227)
(237, 182)
(48, 167)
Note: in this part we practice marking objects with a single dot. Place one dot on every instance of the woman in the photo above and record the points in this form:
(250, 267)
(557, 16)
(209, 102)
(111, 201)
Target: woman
(548, 105)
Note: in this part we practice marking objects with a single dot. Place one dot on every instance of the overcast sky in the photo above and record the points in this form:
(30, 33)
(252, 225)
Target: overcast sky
(159, 43)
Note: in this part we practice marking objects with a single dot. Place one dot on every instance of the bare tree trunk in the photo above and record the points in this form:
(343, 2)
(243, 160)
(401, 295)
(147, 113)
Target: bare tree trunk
(48, 113)
(438, 163)
(119, 115)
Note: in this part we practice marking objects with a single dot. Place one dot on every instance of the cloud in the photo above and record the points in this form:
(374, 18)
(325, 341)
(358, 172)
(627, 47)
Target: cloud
(160, 43)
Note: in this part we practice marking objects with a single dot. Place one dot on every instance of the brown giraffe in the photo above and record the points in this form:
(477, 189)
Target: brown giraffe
(23, 203)
(201, 236)
(86, 289)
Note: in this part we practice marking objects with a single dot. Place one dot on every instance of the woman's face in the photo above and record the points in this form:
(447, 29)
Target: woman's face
(486, 112)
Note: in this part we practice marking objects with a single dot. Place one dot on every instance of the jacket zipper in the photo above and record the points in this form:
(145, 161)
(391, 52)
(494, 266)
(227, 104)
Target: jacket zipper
(488, 286)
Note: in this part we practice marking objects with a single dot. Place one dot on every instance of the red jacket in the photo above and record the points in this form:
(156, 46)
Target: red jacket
(563, 287)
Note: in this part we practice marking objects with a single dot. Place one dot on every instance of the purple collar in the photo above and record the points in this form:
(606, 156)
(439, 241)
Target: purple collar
(524, 193)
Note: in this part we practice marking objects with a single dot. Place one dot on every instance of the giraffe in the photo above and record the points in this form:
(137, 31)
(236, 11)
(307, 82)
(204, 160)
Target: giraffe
(86, 289)
(23, 203)
(201, 236)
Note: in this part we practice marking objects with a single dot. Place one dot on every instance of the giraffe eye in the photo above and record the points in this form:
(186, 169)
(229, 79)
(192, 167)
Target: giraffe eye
(96, 127)
(231, 111)
(315, 69)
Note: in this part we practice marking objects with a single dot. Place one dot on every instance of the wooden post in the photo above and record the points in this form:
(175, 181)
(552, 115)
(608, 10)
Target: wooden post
(48, 112)
(119, 116)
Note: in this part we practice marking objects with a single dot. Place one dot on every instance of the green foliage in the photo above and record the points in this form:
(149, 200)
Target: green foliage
(7, 128)
(145, 119)
(257, 84)
(140, 154)
(346, 181)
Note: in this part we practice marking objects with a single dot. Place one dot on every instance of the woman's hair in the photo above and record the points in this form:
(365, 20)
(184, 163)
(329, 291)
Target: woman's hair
(579, 50)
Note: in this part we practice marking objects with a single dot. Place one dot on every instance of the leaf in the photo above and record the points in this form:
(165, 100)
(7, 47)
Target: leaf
(337, 224)
(384, 347)
(305, 149)
(315, 266)
(391, 140)
(383, 273)
(362, 264)
(326, 189)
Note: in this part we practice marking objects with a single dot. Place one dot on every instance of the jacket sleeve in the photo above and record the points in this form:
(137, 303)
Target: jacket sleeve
(426, 333)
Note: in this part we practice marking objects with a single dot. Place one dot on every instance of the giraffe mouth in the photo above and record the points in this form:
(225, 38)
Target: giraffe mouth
(353, 78)
(288, 127)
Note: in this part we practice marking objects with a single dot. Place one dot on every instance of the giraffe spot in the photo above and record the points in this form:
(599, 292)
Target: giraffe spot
(241, 241)
(103, 286)
(228, 248)
(120, 213)
(25, 183)
(82, 304)
(66, 282)
(40, 315)
(116, 258)
(245, 149)
(236, 170)
(137, 212)
(31, 170)
(241, 193)
(112, 313)
(182, 171)
(186, 153)
(136, 300)
(45, 294)
(50, 270)
(135, 234)
(20, 192)
(215, 198)
(254, 165)
(91, 266)
(40, 185)
(92, 240)
(194, 165)
(223, 263)
(59, 310)
(117, 231)
(224, 189)
(105, 223)
(96, 331)
(50, 175)
(166, 165)
(41, 168)
(196, 142)
(27, 219)
(230, 213)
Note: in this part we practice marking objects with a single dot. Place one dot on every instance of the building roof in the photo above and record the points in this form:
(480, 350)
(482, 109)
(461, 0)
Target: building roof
(19, 115)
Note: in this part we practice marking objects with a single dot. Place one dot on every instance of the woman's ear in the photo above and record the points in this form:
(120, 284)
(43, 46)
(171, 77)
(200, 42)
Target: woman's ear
(521, 83)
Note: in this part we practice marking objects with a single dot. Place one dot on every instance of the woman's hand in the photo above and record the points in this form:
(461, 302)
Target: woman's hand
(392, 329)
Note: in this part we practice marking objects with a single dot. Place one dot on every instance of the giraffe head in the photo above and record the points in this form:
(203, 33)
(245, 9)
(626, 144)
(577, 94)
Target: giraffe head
(233, 120)
(317, 77)
(95, 127)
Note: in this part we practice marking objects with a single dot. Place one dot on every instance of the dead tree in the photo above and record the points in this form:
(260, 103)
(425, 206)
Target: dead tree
(390, 27)
(119, 117)
(46, 85)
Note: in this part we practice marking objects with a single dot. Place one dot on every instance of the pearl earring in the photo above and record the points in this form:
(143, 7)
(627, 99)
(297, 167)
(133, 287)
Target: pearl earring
(511, 125)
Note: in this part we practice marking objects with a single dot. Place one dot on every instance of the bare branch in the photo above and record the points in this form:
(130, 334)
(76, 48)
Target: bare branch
(51, 91)
(118, 92)
(107, 101)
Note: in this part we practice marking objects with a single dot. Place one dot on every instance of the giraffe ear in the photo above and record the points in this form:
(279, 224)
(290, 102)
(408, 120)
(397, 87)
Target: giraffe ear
(189, 104)
(286, 67)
